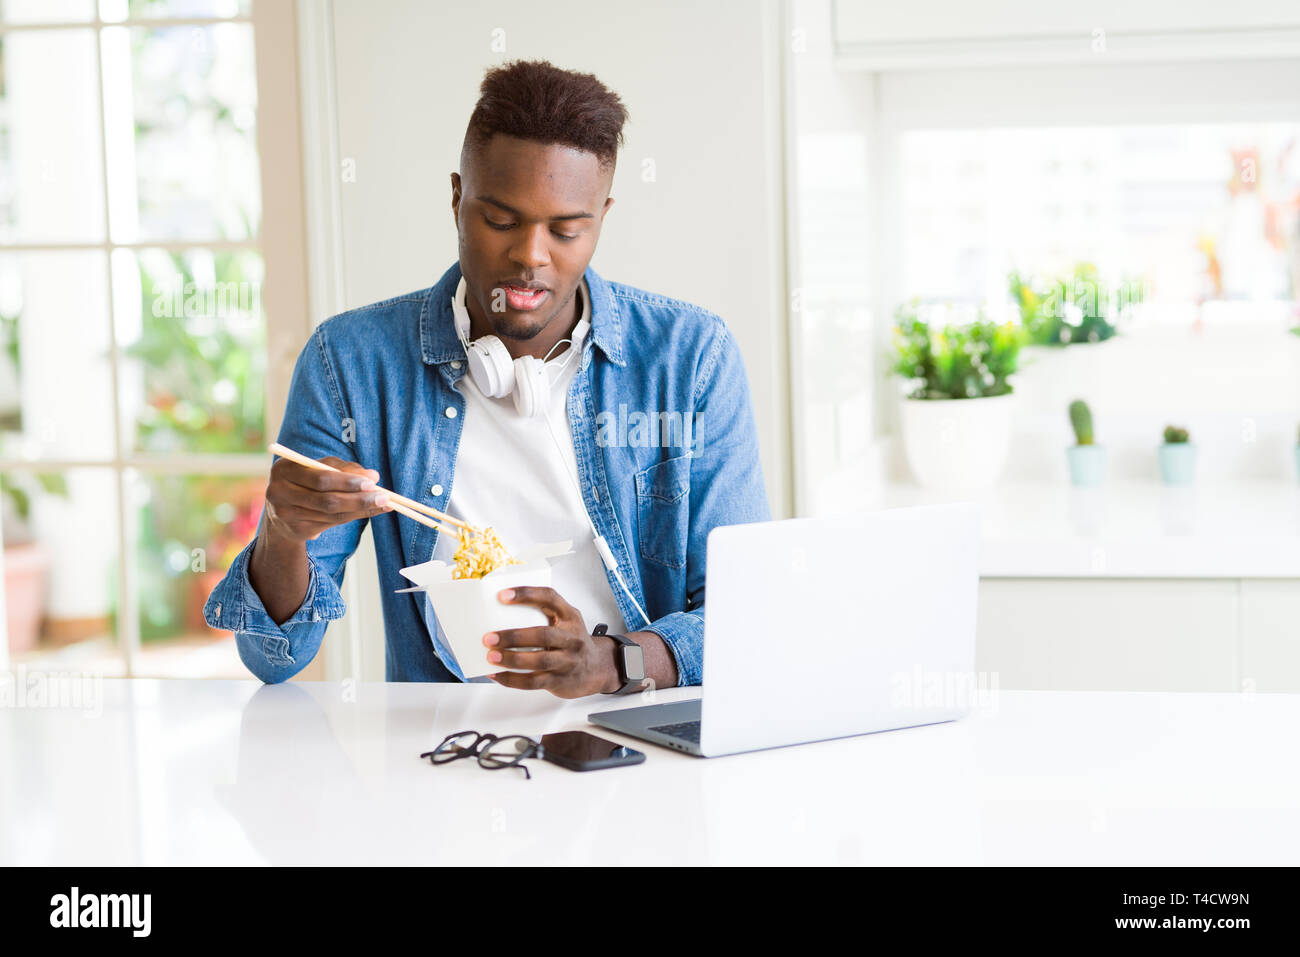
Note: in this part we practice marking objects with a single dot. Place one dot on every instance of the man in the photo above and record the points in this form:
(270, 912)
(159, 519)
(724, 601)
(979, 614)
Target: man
(643, 432)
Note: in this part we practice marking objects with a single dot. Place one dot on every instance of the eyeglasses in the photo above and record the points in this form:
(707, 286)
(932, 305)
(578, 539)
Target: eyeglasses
(493, 752)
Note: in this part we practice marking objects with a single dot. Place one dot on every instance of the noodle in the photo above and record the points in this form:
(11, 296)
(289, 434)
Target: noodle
(479, 553)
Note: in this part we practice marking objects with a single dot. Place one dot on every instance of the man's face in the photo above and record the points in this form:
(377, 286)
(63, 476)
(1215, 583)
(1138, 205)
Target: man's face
(528, 216)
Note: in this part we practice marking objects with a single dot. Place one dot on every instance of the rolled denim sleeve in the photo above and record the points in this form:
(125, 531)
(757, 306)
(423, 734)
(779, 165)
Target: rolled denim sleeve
(274, 652)
(726, 488)
(314, 424)
(683, 633)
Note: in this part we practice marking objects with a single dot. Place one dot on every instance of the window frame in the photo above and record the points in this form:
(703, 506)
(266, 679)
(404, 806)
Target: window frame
(281, 242)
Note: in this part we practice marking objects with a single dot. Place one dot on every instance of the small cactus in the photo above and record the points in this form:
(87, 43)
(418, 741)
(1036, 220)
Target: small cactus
(1081, 420)
(1175, 435)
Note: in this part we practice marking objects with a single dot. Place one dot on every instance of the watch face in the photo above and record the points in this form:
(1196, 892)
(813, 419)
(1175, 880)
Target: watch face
(633, 663)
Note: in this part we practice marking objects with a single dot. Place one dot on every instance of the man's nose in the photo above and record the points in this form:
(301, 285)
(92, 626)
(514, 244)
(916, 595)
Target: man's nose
(533, 248)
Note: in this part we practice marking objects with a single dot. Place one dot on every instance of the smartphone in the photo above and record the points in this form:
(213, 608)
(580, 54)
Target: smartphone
(580, 751)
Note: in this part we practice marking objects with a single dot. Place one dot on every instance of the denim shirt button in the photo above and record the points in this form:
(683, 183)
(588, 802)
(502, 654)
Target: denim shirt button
(595, 493)
(451, 412)
(455, 364)
(436, 490)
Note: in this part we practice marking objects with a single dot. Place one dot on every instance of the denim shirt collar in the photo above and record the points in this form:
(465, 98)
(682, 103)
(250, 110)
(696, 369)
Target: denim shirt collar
(439, 342)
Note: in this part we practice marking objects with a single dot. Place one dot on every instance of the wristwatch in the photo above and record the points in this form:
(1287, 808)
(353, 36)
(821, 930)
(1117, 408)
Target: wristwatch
(629, 659)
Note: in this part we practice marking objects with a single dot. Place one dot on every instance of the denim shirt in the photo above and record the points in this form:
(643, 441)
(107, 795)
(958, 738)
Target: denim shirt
(663, 432)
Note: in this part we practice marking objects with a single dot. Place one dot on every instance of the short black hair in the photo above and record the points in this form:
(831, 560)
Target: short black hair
(535, 100)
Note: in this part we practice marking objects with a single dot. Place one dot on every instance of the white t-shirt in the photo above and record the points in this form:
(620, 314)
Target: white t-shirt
(510, 476)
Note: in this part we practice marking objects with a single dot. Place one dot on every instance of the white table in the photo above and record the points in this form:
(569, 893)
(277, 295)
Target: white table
(233, 772)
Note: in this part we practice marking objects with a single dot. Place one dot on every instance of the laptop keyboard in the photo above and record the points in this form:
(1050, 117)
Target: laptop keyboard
(686, 730)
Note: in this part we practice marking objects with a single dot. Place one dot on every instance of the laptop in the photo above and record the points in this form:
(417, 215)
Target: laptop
(819, 628)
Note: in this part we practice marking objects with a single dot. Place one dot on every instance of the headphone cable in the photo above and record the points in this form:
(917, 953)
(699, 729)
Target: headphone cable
(602, 546)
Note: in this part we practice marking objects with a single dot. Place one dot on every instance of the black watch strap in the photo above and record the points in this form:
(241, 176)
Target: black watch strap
(628, 659)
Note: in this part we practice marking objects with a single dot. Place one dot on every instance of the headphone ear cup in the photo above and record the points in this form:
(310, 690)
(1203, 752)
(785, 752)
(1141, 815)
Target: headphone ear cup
(491, 366)
(531, 386)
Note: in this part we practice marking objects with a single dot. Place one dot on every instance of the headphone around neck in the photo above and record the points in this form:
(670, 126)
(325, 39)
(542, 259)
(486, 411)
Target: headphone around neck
(495, 374)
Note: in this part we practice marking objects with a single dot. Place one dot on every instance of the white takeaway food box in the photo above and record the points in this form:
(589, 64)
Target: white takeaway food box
(468, 608)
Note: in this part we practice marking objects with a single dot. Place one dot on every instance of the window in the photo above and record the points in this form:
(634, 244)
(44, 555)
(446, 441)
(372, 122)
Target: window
(1175, 180)
(1173, 187)
(1197, 213)
(133, 413)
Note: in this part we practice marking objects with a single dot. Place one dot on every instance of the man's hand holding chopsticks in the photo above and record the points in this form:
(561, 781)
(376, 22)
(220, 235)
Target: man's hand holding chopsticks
(302, 502)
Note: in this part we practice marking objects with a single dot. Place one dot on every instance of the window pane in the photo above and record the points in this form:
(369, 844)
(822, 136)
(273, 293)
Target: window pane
(55, 378)
(46, 11)
(194, 349)
(1198, 212)
(51, 181)
(61, 537)
(191, 528)
(181, 112)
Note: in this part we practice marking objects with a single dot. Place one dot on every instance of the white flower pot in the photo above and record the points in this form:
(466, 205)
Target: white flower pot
(957, 444)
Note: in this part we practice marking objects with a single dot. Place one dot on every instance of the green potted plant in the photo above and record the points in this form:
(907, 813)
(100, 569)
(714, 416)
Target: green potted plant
(956, 413)
(1177, 457)
(1087, 460)
(1073, 309)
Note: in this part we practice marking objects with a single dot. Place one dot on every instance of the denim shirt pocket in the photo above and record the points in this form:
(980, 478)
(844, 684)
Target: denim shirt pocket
(663, 505)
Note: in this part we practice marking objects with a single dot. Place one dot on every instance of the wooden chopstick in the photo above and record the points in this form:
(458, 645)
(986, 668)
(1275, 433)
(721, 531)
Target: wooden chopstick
(400, 503)
(422, 519)
(431, 512)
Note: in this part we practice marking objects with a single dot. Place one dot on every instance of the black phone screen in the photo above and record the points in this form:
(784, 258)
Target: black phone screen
(581, 748)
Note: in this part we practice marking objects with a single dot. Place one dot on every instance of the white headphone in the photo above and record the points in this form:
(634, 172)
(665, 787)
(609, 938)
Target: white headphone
(497, 375)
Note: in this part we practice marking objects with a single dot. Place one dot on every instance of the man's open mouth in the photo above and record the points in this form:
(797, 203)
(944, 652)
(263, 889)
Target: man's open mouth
(522, 298)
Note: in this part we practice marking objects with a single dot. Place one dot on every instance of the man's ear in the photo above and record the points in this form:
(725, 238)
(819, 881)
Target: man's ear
(455, 198)
(609, 201)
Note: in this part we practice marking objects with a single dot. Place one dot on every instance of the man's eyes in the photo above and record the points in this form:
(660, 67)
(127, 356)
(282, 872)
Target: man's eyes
(505, 226)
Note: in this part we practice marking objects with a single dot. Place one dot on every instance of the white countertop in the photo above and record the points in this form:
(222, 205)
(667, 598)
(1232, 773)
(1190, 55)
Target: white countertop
(1130, 529)
(233, 772)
